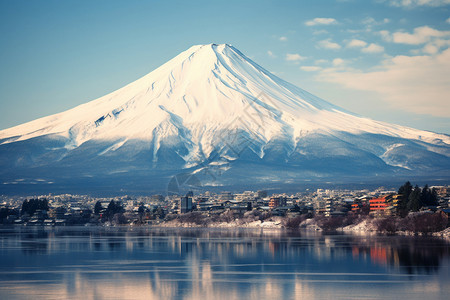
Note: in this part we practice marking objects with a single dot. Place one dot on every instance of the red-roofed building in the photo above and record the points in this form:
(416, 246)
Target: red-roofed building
(378, 205)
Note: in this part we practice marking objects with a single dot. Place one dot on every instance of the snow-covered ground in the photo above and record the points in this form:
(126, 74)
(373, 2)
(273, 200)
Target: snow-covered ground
(444, 233)
(363, 226)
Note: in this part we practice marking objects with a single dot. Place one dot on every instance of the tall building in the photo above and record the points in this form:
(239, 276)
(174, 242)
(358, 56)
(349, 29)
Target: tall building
(328, 207)
(185, 205)
(277, 201)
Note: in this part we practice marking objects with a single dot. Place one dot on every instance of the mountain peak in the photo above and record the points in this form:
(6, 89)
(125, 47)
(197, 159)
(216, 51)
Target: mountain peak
(211, 45)
(208, 85)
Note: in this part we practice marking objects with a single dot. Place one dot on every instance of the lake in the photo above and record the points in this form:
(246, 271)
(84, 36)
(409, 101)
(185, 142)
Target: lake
(163, 263)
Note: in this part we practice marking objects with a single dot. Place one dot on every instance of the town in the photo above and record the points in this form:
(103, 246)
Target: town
(328, 208)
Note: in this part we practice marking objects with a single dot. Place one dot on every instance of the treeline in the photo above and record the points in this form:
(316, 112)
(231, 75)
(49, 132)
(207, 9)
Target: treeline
(5, 212)
(115, 213)
(32, 205)
(414, 198)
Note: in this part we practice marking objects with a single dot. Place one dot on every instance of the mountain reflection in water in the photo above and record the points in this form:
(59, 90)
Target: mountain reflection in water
(160, 263)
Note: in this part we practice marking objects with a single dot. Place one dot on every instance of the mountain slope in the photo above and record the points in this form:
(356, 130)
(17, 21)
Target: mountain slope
(212, 111)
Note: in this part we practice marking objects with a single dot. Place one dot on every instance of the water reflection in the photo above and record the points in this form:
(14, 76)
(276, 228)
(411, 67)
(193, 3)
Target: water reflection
(130, 263)
(415, 256)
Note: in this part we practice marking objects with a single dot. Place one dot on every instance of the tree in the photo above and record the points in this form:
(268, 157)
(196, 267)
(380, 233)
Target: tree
(296, 208)
(405, 190)
(293, 223)
(365, 209)
(119, 219)
(98, 208)
(414, 203)
(31, 206)
(434, 198)
(5, 212)
(428, 197)
(141, 213)
(159, 213)
(113, 208)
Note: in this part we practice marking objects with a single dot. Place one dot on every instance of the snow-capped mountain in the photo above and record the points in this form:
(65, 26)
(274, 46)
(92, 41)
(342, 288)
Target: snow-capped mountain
(213, 114)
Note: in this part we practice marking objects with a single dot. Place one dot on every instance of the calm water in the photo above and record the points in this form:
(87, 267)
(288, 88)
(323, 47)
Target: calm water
(135, 263)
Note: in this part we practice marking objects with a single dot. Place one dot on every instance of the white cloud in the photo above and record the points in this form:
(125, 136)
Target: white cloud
(386, 35)
(270, 53)
(337, 62)
(371, 21)
(413, 3)
(368, 20)
(283, 39)
(430, 49)
(321, 61)
(327, 44)
(373, 48)
(310, 68)
(294, 57)
(448, 21)
(432, 39)
(419, 84)
(420, 35)
(435, 46)
(356, 44)
(322, 31)
(321, 21)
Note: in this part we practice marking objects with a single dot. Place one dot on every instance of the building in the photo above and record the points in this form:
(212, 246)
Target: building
(226, 196)
(356, 207)
(379, 205)
(328, 207)
(185, 205)
(276, 202)
(393, 203)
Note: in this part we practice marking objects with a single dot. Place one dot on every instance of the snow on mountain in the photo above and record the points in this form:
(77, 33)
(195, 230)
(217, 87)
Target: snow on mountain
(212, 106)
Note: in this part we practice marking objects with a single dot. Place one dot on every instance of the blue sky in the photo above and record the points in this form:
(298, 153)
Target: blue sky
(385, 59)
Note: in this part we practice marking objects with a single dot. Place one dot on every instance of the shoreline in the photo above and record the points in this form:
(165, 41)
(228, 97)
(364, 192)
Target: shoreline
(362, 228)
(270, 225)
